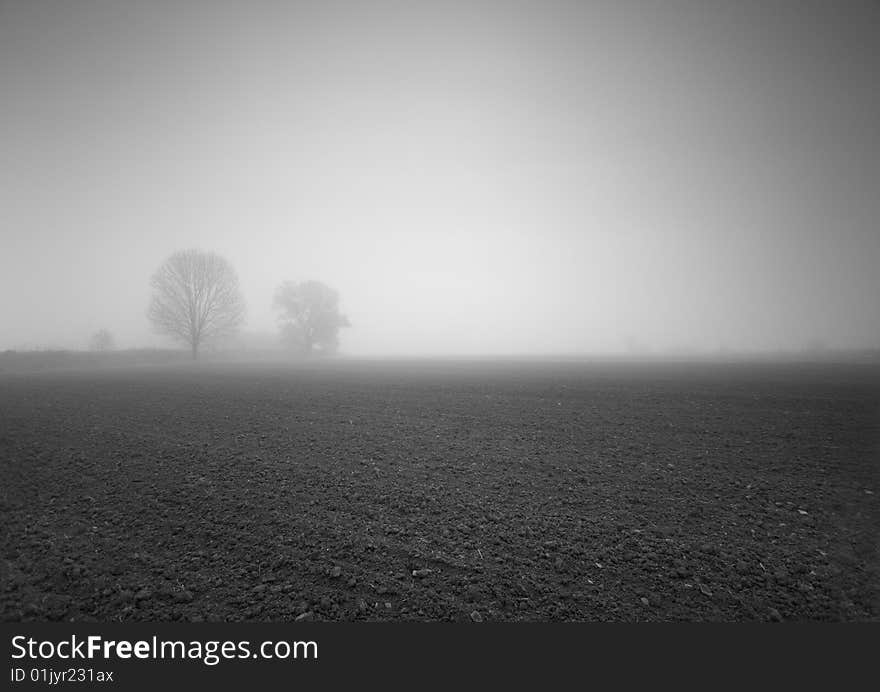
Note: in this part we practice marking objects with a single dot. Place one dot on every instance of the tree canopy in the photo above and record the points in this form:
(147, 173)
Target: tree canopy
(102, 340)
(309, 315)
(196, 298)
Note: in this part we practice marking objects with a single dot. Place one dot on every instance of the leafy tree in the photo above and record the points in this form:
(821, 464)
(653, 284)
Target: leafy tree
(309, 315)
(102, 340)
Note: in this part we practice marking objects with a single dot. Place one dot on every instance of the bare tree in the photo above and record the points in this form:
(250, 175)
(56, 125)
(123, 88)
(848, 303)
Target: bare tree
(196, 298)
(102, 340)
(310, 316)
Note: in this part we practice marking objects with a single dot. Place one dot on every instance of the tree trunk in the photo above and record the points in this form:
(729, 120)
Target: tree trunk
(195, 351)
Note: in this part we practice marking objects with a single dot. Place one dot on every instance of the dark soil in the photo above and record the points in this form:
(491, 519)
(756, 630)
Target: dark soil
(441, 491)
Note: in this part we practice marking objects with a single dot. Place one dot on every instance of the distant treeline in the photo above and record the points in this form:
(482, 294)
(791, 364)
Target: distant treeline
(28, 361)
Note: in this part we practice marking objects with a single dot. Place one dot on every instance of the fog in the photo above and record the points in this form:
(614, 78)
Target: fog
(472, 177)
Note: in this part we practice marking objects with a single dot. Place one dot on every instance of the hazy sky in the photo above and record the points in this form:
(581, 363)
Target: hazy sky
(474, 177)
